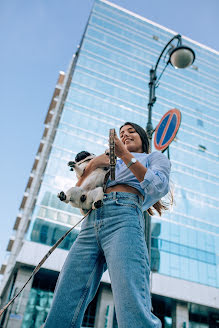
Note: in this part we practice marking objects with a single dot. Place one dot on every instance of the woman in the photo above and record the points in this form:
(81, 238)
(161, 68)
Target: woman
(112, 237)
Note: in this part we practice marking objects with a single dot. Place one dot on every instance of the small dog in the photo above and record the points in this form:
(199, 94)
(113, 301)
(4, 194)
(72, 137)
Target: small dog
(90, 193)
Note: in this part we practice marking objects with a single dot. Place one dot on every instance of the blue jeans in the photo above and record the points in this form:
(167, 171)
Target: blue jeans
(111, 237)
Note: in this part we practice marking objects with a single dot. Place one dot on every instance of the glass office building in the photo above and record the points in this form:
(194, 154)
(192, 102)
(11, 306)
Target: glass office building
(106, 85)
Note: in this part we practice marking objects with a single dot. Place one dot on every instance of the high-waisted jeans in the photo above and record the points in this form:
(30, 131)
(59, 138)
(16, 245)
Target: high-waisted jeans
(111, 237)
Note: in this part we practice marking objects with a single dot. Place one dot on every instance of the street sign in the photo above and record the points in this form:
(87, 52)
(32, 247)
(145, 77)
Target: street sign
(167, 129)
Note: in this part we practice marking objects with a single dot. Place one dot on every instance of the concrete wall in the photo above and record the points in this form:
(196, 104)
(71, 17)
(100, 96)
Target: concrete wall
(185, 291)
(180, 315)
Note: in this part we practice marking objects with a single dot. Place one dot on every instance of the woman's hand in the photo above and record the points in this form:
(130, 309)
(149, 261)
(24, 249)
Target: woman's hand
(99, 161)
(120, 149)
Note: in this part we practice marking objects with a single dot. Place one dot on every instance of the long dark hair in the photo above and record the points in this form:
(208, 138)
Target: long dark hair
(158, 206)
(143, 135)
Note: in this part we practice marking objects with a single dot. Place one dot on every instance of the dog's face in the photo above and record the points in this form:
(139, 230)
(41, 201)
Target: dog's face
(80, 163)
(83, 158)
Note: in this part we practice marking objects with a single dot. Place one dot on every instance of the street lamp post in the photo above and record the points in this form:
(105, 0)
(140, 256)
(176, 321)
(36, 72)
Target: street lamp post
(180, 56)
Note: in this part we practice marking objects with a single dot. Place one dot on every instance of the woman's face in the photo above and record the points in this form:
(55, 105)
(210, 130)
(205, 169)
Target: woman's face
(131, 139)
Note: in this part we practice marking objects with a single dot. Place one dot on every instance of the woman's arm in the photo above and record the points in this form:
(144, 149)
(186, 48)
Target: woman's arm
(99, 161)
(154, 178)
(137, 169)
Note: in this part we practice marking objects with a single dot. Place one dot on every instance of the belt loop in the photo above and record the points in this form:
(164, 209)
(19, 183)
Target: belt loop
(140, 200)
(114, 195)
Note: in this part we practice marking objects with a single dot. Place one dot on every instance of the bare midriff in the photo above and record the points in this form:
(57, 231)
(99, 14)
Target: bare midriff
(123, 188)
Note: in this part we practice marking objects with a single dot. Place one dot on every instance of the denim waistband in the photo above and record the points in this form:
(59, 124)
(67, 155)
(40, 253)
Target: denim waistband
(127, 195)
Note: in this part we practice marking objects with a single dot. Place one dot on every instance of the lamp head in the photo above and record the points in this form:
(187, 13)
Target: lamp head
(181, 57)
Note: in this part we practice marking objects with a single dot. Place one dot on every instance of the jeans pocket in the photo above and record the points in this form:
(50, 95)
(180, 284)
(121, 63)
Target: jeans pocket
(134, 208)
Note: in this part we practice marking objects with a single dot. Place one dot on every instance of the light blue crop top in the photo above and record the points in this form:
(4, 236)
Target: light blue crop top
(156, 180)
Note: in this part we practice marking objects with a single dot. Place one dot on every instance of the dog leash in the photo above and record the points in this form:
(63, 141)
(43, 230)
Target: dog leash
(112, 155)
(41, 263)
(111, 173)
(50, 252)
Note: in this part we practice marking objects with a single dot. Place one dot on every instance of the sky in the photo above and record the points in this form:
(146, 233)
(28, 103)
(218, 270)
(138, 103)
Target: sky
(38, 39)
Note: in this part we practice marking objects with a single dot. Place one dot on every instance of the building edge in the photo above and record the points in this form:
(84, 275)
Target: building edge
(160, 26)
(30, 195)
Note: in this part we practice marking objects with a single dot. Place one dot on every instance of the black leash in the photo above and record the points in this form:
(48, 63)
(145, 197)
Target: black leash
(41, 263)
(51, 251)
(110, 172)
(112, 155)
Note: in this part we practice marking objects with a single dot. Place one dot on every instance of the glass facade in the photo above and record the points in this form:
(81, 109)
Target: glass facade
(40, 300)
(38, 307)
(110, 86)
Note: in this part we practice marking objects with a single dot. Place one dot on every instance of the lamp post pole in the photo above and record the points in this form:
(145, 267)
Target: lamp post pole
(179, 57)
(149, 130)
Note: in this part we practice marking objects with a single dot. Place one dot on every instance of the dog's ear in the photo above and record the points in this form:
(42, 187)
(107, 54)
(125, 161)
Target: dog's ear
(82, 155)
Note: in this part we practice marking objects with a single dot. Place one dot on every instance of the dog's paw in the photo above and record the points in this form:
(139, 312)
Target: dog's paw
(83, 198)
(97, 204)
(62, 196)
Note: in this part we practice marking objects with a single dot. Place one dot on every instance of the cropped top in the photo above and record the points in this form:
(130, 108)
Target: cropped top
(156, 180)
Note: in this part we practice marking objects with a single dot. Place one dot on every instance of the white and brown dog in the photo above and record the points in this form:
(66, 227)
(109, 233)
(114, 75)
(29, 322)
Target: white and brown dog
(90, 193)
